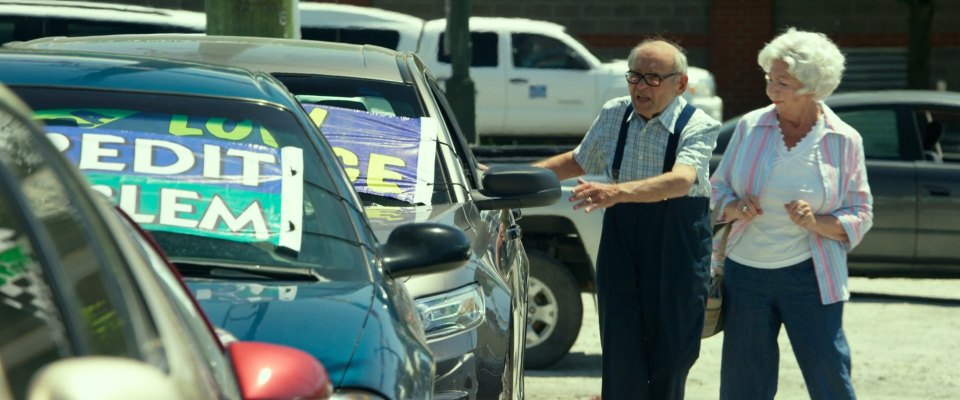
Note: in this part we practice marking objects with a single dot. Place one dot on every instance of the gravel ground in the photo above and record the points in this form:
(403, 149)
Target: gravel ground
(904, 334)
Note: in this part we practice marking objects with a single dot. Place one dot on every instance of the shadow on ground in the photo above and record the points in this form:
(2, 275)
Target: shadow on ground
(574, 364)
(862, 297)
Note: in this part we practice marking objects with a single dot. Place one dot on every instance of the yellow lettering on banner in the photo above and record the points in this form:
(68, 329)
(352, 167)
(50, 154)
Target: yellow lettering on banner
(383, 214)
(377, 173)
(267, 138)
(239, 132)
(348, 159)
(178, 126)
(318, 115)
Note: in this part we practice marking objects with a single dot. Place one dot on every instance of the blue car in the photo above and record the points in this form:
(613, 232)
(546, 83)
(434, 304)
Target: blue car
(232, 179)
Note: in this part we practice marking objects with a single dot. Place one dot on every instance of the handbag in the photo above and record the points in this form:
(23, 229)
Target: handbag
(713, 315)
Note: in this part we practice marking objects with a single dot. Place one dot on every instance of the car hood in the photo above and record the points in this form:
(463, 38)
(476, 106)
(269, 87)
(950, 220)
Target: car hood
(326, 319)
(383, 220)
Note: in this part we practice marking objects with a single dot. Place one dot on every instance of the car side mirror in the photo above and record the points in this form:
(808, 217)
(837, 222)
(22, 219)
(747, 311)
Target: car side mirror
(424, 247)
(517, 186)
(101, 378)
(268, 371)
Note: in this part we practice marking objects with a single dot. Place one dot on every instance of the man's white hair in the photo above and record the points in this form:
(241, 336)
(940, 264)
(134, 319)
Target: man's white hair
(811, 57)
(679, 56)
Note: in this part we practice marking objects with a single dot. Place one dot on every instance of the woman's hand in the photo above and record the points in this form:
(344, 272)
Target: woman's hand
(825, 225)
(801, 214)
(744, 209)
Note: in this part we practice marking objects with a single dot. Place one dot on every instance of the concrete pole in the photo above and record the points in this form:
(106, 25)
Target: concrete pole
(264, 18)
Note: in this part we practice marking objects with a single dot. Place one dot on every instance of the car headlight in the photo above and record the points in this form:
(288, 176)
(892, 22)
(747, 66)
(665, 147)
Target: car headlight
(451, 312)
(355, 395)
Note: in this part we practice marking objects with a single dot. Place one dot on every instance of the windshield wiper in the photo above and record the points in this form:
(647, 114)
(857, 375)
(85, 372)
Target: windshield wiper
(384, 201)
(225, 270)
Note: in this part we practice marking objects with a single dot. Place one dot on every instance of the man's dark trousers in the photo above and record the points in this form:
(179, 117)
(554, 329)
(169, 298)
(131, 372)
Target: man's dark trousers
(652, 279)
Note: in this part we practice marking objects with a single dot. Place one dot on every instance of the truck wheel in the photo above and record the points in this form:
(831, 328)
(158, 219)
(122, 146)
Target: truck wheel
(554, 311)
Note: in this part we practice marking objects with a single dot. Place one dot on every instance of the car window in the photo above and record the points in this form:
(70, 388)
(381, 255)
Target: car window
(33, 27)
(879, 129)
(543, 52)
(382, 134)
(947, 123)
(83, 271)
(32, 334)
(483, 49)
(379, 37)
(214, 180)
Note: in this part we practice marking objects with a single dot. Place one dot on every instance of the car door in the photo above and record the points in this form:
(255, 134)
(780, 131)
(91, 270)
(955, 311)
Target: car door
(938, 191)
(549, 86)
(889, 144)
(487, 69)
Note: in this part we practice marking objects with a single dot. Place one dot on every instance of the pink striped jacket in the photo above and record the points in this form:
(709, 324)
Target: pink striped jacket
(745, 167)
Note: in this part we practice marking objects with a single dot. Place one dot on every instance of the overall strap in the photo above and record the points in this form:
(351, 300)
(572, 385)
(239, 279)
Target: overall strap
(621, 143)
(670, 157)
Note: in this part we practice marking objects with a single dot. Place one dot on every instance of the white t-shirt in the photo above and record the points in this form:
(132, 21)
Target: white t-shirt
(772, 240)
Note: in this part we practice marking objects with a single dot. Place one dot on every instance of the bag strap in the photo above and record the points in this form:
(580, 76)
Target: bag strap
(670, 156)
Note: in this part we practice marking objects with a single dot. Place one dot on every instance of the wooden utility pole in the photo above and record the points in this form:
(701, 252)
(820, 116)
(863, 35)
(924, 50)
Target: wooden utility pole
(459, 88)
(264, 18)
(918, 51)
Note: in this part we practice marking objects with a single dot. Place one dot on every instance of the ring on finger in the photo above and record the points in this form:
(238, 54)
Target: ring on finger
(744, 208)
(589, 200)
(799, 213)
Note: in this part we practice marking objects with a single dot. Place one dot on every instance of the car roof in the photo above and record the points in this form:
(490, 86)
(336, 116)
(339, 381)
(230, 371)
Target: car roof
(80, 70)
(271, 55)
(501, 23)
(891, 97)
(103, 12)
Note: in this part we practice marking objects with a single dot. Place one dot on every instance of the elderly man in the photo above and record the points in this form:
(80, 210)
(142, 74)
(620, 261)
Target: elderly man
(654, 256)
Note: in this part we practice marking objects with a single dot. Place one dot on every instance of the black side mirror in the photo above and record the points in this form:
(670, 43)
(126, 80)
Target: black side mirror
(517, 186)
(423, 248)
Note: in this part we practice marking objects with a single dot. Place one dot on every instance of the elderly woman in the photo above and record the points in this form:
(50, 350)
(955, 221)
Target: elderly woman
(794, 185)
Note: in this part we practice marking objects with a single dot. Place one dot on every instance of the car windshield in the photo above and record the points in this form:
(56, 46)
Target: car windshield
(217, 182)
(384, 138)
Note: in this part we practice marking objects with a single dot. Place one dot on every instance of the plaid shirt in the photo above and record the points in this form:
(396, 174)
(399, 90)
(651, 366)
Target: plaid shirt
(647, 144)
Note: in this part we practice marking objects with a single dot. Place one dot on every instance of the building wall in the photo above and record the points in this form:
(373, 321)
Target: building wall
(723, 36)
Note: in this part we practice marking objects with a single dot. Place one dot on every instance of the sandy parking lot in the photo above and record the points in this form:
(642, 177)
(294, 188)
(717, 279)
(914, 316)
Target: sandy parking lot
(905, 337)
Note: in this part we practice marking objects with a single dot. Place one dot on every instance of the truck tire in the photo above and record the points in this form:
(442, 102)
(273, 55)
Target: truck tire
(554, 313)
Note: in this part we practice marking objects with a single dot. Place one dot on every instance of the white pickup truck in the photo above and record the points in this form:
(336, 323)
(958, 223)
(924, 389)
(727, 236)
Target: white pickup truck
(532, 79)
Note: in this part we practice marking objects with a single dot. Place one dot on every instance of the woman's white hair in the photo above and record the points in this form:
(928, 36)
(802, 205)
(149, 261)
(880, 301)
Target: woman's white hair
(811, 57)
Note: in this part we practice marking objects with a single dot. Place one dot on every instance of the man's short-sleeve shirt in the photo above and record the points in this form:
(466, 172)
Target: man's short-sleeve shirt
(646, 144)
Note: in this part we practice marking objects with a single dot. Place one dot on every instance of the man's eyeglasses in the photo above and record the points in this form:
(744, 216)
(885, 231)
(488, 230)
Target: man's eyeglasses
(653, 80)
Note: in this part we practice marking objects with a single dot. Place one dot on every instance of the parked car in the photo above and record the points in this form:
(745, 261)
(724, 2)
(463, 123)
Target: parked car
(534, 81)
(911, 142)
(90, 309)
(478, 354)
(30, 19)
(238, 187)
